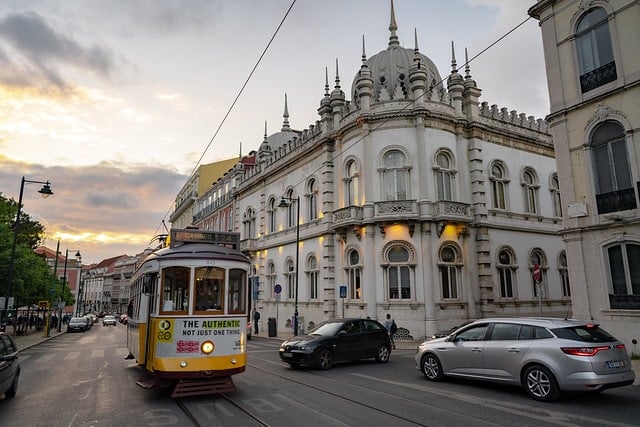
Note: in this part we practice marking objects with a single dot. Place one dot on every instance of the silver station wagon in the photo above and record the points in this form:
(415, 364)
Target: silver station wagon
(544, 355)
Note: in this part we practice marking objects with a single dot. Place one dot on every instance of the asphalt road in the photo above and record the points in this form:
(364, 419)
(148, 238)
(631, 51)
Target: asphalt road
(82, 379)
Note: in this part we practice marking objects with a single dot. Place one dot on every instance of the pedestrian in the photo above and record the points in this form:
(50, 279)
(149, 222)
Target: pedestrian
(256, 318)
(391, 327)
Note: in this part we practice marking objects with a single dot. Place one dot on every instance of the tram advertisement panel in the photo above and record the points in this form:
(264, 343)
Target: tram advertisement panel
(182, 337)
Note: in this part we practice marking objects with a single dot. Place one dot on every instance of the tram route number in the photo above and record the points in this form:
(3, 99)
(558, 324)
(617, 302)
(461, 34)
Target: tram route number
(165, 332)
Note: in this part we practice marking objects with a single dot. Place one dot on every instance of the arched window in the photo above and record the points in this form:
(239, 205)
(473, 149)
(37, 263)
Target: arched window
(312, 199)
(530, 191)
(271, 279)
(395, 176)
(290, 274)
(291, 209)
(499, 182)
(249, 224)
(399, 264)
(563, 269)
(624, 271)
(539, 288)
(352, 183)
(313, 273)
(354, 273)
(506, 273)
(614, 183)
(271, 215)
(449, 266)
(595, 55)
(230, 221)
(554, 188)
(443, 168)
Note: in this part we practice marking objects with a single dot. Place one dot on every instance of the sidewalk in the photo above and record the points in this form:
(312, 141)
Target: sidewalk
(33, 337)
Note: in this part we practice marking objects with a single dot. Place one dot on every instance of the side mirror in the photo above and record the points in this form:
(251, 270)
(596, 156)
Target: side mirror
(342, 333)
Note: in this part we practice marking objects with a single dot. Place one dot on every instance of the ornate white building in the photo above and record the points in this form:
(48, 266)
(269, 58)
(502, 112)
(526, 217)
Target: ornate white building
(410, 195)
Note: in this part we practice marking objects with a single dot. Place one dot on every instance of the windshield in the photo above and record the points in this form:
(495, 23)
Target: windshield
(327, 329)
(77, 320)
(584, 333)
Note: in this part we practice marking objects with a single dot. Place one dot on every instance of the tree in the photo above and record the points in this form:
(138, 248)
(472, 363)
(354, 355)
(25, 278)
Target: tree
(32, 277)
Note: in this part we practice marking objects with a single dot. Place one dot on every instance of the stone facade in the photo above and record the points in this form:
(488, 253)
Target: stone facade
(593, 71)
(413, 196)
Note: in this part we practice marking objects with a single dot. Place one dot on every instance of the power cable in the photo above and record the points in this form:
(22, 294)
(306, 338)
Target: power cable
(224, 119)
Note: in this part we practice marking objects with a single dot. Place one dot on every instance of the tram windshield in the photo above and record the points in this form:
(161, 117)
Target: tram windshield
(210, 288)
(175, 290)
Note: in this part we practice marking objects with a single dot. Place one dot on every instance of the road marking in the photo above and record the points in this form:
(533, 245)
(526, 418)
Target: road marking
(550, 416)
(97, 354)
(72, 355)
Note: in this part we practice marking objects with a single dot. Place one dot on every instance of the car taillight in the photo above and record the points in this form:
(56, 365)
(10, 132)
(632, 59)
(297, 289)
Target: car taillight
(584, 351)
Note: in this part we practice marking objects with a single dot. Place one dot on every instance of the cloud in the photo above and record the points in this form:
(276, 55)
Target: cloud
(40, 51)
(102, 209)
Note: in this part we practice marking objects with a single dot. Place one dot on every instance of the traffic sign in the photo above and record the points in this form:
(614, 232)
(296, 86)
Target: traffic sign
(277, 289)
(343, 291)
(537, 274)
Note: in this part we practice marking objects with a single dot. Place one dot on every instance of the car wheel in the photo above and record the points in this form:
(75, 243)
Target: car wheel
(431, 367)
(540, 383)
(383, 353)
(13, 389)
(324, 359)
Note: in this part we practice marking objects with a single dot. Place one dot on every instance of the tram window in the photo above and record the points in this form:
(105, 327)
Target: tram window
(175, 289)
(210, 289)
(237, 291)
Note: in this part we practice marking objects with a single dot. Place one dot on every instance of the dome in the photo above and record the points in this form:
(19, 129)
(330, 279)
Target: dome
(390, 68)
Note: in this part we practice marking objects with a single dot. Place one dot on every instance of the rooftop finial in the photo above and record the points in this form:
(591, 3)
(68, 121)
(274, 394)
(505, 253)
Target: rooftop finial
(467, 69)
(285, 123)
(326, 81)
(393, 26)
(337, 76)
(265, 130)
(364, 55)
(454, 67)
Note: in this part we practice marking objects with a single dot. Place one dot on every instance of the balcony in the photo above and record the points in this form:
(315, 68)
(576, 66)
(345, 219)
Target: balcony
(347, 217)
(248, 245)
(598, 77)
(624, 301)
(616, 201)
(451, 211)
(396, 210)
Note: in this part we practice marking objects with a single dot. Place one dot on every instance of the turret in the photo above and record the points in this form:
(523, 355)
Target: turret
(455, 83)
(417, 75)
(471, 93)
(364, 83)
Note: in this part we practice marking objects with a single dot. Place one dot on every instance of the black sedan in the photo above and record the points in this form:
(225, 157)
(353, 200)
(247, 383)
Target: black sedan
(78, 324)
(338, 340)
(9, 366)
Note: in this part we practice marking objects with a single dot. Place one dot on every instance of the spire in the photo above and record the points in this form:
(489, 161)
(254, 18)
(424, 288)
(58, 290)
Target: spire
(326, 81)
(364, 55)
(416, 50)
(337, 86)
(454, 67)
(467, 69)
(393, 27)
(285, 122)
(265, 131)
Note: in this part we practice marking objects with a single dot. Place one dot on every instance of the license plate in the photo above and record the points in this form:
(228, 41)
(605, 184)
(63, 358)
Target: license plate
(287, 354)
(615, 364)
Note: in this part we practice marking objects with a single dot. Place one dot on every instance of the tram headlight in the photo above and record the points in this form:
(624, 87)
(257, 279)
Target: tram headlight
(207, 347)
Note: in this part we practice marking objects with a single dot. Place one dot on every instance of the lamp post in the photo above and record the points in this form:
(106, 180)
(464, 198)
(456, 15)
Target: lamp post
(284, 203)
(64, 282)
(45, 191)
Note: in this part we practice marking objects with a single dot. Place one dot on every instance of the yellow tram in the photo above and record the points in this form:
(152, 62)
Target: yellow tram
(188, 313)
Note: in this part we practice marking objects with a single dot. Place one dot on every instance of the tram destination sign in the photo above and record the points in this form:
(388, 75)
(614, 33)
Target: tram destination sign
(180, 236)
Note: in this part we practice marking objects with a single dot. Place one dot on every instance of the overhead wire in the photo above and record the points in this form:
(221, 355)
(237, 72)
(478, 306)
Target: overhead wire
(373, 129)
(235, 100)
(410, 104)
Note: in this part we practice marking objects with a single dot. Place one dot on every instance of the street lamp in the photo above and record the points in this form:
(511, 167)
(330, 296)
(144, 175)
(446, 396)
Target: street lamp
(286, 202)
(45, 191)
(64, 281)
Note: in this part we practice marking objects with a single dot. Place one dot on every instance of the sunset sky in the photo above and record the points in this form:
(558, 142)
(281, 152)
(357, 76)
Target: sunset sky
(116, 101)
